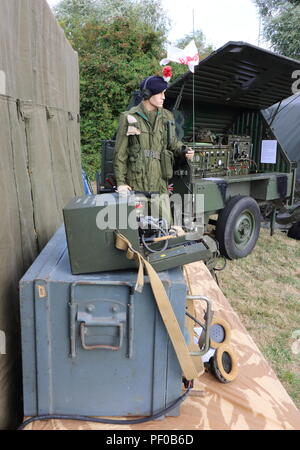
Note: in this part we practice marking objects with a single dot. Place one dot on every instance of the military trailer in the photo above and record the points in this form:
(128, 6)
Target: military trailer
(239, 166)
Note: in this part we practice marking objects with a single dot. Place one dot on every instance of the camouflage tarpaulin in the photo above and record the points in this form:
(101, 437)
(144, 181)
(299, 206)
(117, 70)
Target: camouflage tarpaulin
(284, 119)
(40, 161)
(255, 400)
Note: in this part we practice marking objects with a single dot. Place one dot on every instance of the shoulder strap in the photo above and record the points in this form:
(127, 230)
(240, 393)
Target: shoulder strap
(164, 306)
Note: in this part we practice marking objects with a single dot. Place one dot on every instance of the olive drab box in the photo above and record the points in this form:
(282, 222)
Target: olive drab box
(90, 224)
(93, 222)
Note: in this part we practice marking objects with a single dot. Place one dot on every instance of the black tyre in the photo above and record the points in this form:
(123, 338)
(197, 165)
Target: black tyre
(238, 227)
(294, 231)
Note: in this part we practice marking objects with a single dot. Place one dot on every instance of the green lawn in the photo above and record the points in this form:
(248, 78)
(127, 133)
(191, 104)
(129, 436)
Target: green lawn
(264, 289)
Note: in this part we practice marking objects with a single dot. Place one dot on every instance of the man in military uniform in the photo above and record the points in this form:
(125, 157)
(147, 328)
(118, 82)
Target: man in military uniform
(146, 144)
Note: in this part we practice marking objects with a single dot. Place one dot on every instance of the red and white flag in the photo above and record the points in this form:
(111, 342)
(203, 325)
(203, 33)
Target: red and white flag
(189, 56)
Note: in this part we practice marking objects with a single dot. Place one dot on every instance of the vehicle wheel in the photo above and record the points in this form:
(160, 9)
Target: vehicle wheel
(238, 227)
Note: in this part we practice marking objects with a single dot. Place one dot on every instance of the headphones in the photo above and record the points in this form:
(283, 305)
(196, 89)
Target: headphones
(146, 93)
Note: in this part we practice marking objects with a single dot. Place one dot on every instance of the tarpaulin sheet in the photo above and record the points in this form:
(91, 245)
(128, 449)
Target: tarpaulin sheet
(255, 400)
(40, 161)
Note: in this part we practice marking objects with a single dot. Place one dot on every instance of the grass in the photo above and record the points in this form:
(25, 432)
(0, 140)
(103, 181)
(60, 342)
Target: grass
(264, 290)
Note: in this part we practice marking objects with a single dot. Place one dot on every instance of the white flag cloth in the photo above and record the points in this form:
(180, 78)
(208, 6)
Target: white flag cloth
(189, 55)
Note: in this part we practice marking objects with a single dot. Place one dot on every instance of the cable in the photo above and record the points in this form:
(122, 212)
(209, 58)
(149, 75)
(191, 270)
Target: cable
(222, 268)
(252, 161)
(107, 421)
(153, 250)
(292, 100)
(215, 277)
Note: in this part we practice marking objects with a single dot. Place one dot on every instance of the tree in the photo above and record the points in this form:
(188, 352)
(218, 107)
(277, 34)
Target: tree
(123, 55)
(73, 14)
(74, 11)
(148, 12)
(117, 48)
(119, 42)
(281, 25)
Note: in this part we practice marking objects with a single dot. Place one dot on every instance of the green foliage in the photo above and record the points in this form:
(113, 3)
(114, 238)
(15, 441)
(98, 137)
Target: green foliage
(119, 42)
(74, 14)
(122, 56)
(148, 12)
(200, 41)
(281, 25)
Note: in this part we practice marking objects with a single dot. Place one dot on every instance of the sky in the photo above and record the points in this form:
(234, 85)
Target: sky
(220, 20)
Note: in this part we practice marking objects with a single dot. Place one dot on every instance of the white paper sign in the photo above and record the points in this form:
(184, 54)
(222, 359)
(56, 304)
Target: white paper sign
(268, 152)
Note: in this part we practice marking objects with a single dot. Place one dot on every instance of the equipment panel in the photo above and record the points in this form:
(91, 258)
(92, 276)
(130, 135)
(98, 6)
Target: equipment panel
(221, 155)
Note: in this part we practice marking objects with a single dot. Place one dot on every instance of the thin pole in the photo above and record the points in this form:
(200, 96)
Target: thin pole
(194, 84)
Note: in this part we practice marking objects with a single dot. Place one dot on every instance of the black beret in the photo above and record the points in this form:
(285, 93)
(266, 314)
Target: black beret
(154, 84)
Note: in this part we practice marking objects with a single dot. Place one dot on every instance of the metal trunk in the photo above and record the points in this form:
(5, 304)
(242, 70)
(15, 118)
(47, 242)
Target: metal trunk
(91, 345)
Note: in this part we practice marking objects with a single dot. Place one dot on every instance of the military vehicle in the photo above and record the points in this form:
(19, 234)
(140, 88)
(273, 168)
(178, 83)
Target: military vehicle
(243, 172)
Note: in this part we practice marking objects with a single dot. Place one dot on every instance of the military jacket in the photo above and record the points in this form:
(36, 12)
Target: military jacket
(140, 148)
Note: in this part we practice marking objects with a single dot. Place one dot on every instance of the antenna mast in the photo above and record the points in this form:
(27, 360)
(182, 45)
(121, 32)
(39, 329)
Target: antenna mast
(194, 84)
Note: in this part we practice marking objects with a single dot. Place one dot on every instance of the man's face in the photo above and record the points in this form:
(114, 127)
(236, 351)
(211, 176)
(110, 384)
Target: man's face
(157, 100)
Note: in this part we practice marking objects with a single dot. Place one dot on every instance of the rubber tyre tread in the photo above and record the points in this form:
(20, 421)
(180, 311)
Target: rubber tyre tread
(226, 224)
(294, 231)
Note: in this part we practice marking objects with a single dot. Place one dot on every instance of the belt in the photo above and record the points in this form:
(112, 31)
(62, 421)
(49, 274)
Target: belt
(186, 361)
(152, 154)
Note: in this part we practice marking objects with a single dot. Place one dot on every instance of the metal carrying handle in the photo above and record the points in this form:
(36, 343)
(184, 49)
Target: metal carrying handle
(83, 327)
(205, 327)
(74, 319)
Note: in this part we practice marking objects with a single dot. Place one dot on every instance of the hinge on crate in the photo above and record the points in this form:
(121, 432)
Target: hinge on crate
(41, 291)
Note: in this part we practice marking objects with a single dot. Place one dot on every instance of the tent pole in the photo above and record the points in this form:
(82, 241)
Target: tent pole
(194, 84)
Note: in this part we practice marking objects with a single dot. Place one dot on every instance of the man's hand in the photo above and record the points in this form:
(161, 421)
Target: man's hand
(190, 153)
(123, 189)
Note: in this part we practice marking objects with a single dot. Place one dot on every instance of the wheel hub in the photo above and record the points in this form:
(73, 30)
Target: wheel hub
(244, 229)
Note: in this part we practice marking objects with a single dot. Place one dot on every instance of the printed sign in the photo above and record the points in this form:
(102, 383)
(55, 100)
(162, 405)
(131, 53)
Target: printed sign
(268, 152)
